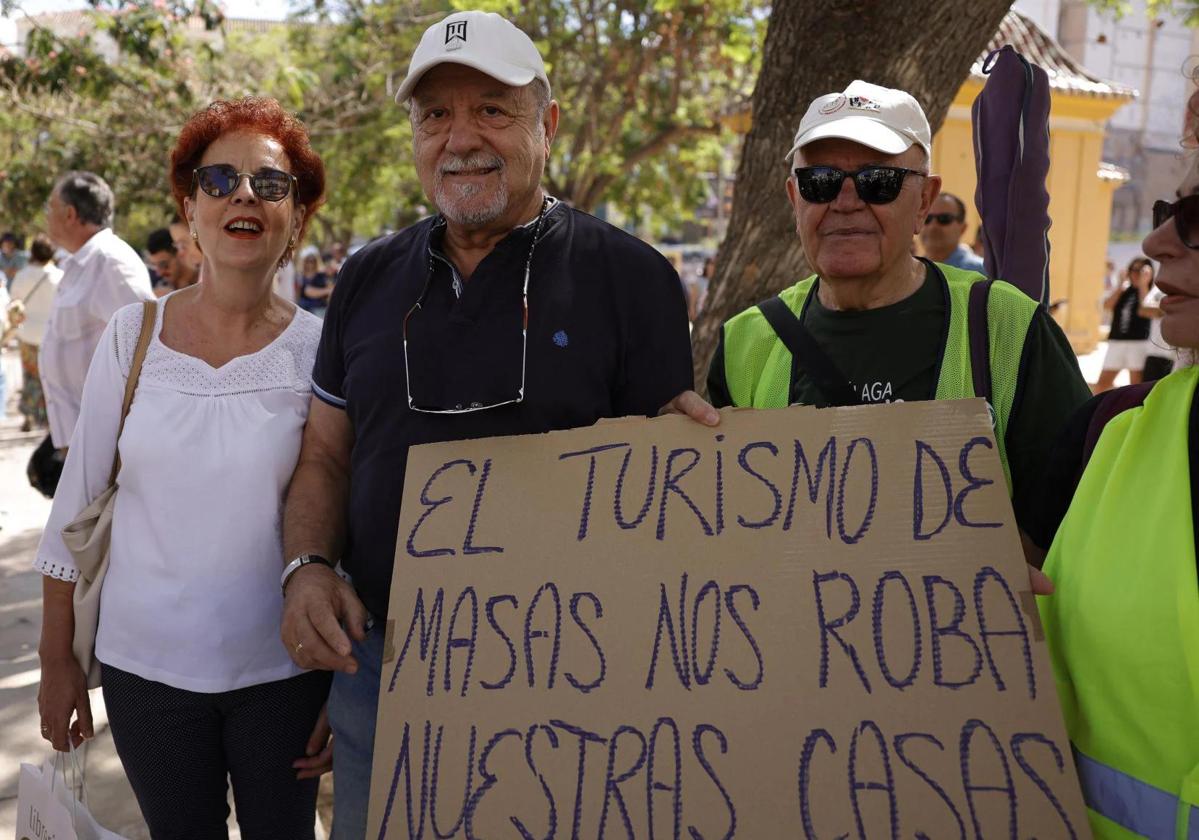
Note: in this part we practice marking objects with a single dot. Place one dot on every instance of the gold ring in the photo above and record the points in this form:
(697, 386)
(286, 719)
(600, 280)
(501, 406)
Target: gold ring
(45, 728)
(299, 646)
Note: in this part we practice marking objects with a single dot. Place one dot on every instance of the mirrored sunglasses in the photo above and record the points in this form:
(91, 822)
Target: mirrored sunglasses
(221, 179)
(875, 184)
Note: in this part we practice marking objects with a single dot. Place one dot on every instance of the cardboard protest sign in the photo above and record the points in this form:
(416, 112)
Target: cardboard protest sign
(804, 622)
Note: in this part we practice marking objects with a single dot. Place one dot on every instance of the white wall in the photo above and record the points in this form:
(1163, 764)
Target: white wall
(1044, 13)
(1149, 57)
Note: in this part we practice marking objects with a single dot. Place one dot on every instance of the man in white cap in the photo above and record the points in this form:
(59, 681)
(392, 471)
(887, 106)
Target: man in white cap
(875, 324)
(425, 340)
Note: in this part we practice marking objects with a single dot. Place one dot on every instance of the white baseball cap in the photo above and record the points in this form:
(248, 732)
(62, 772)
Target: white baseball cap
(885, 119)
(482, 40)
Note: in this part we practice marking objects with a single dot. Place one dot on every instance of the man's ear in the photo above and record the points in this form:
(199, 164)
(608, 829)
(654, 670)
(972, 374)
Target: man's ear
(928, 194)
(549, 123)
(793, 198)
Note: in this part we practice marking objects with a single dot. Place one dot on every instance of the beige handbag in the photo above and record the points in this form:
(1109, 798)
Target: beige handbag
(89, 535)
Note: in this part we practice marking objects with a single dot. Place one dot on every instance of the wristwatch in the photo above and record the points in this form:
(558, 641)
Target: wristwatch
(299, 563)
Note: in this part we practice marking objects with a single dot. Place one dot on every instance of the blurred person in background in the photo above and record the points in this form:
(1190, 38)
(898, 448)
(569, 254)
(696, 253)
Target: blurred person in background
(176, 271)
(4, 304)
(102, 274)
(185, 246)
(1128, 340)
(12, 258)
(942, 233)
(334, 259)
(315, 285)
(33, 291)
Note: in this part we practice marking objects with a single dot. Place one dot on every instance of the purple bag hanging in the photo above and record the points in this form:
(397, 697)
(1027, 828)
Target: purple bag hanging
(1011, 158)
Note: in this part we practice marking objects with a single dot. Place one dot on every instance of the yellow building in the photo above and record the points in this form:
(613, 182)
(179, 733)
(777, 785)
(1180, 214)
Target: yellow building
(1080, 184)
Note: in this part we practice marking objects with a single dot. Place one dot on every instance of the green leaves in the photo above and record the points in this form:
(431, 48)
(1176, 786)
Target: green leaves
(642, 85)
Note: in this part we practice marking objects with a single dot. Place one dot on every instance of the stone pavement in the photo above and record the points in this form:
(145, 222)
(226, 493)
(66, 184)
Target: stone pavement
(23, 512)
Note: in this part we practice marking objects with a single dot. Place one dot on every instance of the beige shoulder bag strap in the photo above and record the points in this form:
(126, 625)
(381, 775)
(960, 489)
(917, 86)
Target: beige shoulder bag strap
(149, 318)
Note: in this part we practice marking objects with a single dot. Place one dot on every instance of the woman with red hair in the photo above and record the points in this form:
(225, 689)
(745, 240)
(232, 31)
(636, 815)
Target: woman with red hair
(197, 684)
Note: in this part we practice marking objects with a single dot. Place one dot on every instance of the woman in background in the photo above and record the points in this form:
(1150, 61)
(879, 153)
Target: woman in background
(1128, 341)
(33, 292)
(315, 285)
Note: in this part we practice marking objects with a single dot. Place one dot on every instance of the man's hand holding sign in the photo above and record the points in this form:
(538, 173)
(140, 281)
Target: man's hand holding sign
(801, 620)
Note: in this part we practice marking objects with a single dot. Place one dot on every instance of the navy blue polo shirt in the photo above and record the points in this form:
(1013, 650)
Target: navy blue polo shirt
(607, 337)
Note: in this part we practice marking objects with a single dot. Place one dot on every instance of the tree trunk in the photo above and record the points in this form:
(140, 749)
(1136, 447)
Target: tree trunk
(925, 47)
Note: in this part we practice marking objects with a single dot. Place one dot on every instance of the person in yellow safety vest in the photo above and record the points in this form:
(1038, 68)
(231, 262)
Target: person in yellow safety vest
(1122, 512)
(876, 324)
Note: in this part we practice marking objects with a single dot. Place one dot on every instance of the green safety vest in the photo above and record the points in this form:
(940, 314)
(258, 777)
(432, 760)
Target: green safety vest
(1123, 623)
(758, 365)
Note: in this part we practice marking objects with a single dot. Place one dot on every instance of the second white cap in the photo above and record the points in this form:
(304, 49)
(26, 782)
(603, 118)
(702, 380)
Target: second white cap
(885, 119)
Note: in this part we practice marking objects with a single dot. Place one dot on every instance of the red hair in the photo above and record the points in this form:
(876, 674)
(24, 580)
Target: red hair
(259, 115)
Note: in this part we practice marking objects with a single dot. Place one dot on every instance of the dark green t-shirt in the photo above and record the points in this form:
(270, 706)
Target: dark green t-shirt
(893, 354)
(889, 354)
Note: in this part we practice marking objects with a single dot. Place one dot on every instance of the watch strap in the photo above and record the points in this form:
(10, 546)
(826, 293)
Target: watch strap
(299, 563)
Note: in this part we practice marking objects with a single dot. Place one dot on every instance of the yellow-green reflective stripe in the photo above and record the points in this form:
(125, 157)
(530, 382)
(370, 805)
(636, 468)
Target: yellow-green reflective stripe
(1129, 802)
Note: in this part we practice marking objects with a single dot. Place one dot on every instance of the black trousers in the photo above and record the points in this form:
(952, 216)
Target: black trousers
(178, 747)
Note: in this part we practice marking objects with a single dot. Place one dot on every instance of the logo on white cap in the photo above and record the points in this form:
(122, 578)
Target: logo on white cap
(832, 107)
(483, 41)
(861, 103)
(885, 119)
(455, 34)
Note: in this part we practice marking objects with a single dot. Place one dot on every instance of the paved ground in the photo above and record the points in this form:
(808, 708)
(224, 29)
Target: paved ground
(22, 514)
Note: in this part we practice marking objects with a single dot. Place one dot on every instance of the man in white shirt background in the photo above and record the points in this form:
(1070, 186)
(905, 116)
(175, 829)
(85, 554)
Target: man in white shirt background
(102, 274)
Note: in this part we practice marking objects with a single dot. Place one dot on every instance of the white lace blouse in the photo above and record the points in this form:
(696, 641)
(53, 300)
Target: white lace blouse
(192, 594)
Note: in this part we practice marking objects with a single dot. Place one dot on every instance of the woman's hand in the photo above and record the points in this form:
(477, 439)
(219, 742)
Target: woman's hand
(63, 689)
(319, 750)
(63, 692)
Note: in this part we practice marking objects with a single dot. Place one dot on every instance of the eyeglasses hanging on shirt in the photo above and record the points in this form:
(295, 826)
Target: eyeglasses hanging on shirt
(415, 404)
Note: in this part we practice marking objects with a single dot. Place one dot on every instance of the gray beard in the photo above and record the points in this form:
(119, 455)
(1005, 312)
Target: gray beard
(457, 204)
(455, 201)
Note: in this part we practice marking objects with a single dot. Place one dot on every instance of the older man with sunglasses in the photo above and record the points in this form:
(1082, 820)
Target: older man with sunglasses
(875, 324)
(507, 313)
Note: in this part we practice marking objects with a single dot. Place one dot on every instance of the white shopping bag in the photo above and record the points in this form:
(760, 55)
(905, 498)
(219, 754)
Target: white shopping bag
(47, 808)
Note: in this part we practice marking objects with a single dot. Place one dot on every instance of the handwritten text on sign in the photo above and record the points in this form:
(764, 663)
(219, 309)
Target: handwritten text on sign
(802, 623)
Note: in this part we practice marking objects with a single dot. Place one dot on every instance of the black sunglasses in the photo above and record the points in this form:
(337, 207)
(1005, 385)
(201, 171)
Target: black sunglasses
(875, 184)
(1185, 212)
(942, 218)
(220, 179)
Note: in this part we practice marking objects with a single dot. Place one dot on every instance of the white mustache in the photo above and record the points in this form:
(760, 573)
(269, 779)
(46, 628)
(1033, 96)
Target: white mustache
(476, 161)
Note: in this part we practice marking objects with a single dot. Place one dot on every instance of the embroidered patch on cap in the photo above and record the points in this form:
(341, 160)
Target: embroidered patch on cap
(561, 338)
(834, 105)
(861, 103)
(455, 34)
